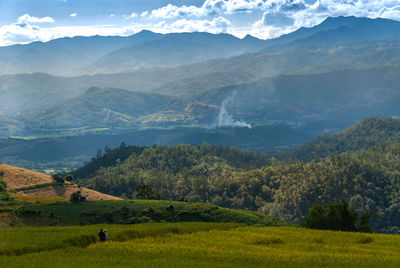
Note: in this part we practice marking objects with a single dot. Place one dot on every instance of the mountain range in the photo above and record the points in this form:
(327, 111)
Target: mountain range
(321, 79)
(97, 54)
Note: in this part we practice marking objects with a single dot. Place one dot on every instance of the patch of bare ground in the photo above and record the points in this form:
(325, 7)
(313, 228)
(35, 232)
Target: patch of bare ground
(64, 191)
(33, 186)
(17, 177)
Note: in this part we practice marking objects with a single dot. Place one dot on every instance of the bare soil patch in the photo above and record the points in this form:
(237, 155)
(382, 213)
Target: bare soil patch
(17, 177)
(65, 191)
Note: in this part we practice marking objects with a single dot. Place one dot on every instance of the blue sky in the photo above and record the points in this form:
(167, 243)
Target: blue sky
(23, 21)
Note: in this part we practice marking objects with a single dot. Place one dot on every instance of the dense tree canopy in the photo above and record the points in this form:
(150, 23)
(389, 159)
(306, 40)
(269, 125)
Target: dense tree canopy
(230, 178)
(337, 216)
(360, 136)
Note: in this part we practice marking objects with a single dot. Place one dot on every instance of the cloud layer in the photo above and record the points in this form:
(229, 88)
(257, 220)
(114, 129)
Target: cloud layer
(261, 18)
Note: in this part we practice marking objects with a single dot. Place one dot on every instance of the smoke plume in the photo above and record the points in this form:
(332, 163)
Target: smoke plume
(225, 119)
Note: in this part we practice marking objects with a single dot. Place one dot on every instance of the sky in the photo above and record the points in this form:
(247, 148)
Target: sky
(24, 21)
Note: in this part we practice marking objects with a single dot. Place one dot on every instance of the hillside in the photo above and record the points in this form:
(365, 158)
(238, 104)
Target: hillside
(59, 192)
(85, 55)
(101, 54)
(328, 76)
(17, 177)
(225, 177)
(134, 211)
(175, 49)
(330, 100)
(361, 136)
(340, 30)
(62, 154)
(216, 245)
(110, 107)
(300, 99)
(30, 185)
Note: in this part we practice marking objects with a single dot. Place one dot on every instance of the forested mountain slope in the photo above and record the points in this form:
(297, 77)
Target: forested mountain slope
(300, 99)
(367, 175)
(111, 107)
(360, 136)
(201, 174)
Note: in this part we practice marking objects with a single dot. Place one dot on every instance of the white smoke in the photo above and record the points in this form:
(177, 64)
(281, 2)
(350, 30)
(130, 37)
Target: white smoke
(225, 119)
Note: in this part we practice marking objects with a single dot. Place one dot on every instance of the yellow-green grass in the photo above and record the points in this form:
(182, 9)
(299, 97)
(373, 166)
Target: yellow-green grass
(19, 241)
(135, 211)
(38, 199)
(225, 247)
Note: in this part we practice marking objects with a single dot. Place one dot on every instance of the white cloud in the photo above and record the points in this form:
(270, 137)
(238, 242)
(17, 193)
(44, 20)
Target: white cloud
(13, 34)
(170, 11)
(73, 14)
(391, 13)
(24, 30)
(233, 6)
(131, 16)
(27, 19)
(220, 7)
(216, 25)
(294, 9)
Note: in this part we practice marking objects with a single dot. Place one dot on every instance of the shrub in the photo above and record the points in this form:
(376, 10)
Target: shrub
(144, 191)
(75, 197)
(69, 178)
(57, 178)
(337, 216)
(3, 185)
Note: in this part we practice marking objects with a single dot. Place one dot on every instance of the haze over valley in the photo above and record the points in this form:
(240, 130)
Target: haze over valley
(268, 131)
(298, 79)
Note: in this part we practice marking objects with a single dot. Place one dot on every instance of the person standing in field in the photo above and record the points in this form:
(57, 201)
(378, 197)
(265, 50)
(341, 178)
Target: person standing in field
(102, 235)
(105, 235)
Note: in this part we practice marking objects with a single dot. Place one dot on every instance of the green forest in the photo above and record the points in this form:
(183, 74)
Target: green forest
(369, 178)
(360, 136)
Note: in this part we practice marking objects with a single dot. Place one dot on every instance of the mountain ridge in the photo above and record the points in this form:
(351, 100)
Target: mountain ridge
(106, 107)
(360, 136)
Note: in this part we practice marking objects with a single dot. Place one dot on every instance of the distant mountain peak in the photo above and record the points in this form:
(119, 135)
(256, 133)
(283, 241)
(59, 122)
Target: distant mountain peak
(145, 32)
(342, 18)
(250, 37)
(352, 20)
(92, 90)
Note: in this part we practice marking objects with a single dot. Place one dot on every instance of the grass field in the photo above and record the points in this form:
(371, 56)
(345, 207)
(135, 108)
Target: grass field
(196, 245)
(38, 198)
(20, 241)
(135, 211)
(63, 191)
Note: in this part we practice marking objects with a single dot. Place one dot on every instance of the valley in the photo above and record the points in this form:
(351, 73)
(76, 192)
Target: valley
(201, 149)
(301, 80)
